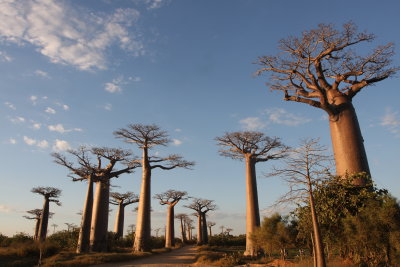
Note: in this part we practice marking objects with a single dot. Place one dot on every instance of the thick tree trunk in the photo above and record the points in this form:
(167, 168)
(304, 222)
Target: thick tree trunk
(143, 225)
(319, 247)
(44, 220)
(347, 141)
(210, 231)
(252, 211)
(204, 227)
(199, 230)
(37, 225)
(99, 227)
(189, 232)
(169, 233)
(183, 231)
(84, 232)
(119, 221)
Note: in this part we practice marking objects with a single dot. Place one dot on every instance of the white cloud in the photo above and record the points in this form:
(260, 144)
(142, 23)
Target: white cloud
(135, 79)
(29, 141)
(4, 57)
(391, 120)
(65, 107)
(153, 4)
(108, 107)
(281, 116)
(33, 98)
(17, 119)
(11, 106)
(176, 142)
(42, 144)
(50, 110)
(61, 145)
(77, 37)
(42, 74)
(178, 130)
(12, 141)
(60, 128)
(36, 126)
(112, 88)
(6, 209)
(252, 124)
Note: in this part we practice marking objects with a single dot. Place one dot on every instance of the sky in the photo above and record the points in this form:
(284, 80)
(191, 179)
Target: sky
(72, 72)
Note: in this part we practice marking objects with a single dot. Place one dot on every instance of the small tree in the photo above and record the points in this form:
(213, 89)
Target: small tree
(121, 200)
(170, 198)
(253, 147)
(147, 137)
(322, 69)
(50, 194)
(305, 167)
(182, 218)
(37, 214)
(201, 207)
(210, 225)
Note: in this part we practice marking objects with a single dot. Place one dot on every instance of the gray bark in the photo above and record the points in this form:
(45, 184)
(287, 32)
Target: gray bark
(99, 225)
(119, 221)
(170, 233)
(44, 220)
(199, 230)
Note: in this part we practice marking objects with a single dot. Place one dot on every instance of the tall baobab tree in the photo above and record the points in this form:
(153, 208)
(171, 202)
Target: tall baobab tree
(253, 147)
(37, 214)
(147, 137)
(93, 230)
(201, 207)
(322, 69)
(305, 167)
(189, 227)
(121, 200)
(182, 217)
(50, 194)
(210, 225)
(170, 198)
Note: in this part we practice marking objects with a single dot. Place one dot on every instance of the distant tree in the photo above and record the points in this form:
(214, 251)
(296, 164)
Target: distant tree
(147, 137)
(50, 194)
(303, 169)
(182, 217)
(71, 226)
(54, 227)
(253, 147)
(98, 170)
(37, 214)
(210, 225)
(121, 200)
(321, 69)
(222, 227)
(170, 198)
(228, 231)
(201, 207)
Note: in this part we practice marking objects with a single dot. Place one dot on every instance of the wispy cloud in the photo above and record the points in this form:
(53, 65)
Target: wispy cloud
(115, 85)
(17, 119)
(50, 110)
(60, 128)
(391, 121)
(61, 145)
(10, 105)
(252, 124)
(153, 4)
(176, 142)
(33, 142)
(36, 125)
(42, 74)
(65, 34)
(108, 107)
(178, 130)
(281, 116)
(12, 141)
(6, 209)
(4, 57)
(33, 98)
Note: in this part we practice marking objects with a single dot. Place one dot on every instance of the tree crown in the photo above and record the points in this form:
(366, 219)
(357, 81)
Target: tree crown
(145, 136)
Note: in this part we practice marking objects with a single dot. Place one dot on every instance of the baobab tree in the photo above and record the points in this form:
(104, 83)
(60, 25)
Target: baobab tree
(189, 227)
(253, 147)
(210, 225)
(94, 224)
(37, 214)
(201, 207)
(228, 231)
(305, 167)
(54, 226)
(170, 198)
(146, 137)
(50, 194)
(182, 217)
(322, 69)
(121, 200)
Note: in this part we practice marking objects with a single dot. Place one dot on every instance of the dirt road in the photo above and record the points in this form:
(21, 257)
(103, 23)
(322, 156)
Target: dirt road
(185, 256)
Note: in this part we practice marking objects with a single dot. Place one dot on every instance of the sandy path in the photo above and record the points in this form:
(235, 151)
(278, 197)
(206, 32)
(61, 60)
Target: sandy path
(185, 256)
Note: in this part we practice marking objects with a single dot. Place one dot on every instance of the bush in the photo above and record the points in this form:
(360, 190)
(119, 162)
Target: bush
(65, 239)
(227, 240)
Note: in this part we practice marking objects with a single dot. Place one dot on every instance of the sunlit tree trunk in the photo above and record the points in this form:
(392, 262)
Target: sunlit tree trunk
(204, 227)
(119, 221)
(44, 220)
(84, 232)
(99, 225)
(37, 225)
(170, 235)
(199, 229)
(183, 234)
(347, 141)
(252, 210)
(143, 225)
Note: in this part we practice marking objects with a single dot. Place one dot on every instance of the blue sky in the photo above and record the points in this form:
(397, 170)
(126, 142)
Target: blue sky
(72, 72)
